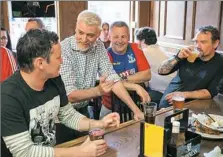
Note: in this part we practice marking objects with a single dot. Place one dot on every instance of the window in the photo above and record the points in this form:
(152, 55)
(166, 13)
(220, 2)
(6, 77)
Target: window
(111, 11)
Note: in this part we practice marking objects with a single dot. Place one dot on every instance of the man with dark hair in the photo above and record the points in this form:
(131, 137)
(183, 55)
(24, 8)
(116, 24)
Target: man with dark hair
(155, 55)
(34, 98)
(197, 80)
(34, 23)
(128, 61)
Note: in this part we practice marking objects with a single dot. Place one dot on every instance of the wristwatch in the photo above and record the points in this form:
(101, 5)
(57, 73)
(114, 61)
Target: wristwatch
(177, 58)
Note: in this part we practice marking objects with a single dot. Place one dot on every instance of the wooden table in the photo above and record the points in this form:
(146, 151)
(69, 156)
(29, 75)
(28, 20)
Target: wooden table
(124, 141)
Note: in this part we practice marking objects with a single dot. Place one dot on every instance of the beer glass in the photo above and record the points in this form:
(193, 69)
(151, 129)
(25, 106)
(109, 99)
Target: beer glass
(150, 109)
(194, 55)
(178, 101)
(96, 134)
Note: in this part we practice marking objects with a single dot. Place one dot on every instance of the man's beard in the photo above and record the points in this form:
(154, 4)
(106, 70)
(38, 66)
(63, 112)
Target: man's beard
(87, 48)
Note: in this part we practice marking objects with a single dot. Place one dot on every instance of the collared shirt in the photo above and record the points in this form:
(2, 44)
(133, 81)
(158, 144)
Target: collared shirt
(79, 69)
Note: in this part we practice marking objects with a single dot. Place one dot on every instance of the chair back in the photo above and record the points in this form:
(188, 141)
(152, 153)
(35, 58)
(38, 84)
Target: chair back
(120, 107)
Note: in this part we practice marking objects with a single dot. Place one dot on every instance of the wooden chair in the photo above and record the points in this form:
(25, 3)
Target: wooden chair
(124, 111)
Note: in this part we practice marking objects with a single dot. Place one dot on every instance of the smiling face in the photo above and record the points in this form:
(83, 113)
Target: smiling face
(86, 35)
(119, 37)
(204, 43)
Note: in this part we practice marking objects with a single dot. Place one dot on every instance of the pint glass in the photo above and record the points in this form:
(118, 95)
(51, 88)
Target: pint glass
(178, 101)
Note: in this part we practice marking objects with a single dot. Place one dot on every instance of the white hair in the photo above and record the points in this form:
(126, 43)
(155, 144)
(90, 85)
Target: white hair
(89, 18)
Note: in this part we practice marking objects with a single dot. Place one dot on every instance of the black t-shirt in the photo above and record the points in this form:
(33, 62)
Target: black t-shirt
(220, 86)
(198, 75)
(24, 109)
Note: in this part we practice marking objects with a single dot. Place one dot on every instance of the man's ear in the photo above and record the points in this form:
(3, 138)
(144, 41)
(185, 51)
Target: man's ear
(216, 43)
(38, 63)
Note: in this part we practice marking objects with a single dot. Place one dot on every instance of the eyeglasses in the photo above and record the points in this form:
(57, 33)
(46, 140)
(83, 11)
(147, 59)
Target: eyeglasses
(3, 38)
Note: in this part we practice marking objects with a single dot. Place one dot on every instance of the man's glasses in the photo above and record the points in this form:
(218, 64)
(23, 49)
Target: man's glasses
(3, 38)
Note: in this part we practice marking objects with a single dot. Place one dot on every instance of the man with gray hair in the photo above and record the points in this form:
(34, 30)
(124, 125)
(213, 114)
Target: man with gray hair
(83, 58)
(34, 23)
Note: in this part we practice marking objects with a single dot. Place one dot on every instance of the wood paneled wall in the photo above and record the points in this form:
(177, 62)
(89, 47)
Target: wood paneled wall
(176, 22)
(4, 15)
(67, 16)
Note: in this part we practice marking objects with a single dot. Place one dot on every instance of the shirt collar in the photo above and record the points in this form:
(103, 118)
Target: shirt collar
(75, 47)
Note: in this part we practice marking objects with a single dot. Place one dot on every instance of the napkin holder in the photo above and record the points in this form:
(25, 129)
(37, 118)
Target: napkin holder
(192, 140)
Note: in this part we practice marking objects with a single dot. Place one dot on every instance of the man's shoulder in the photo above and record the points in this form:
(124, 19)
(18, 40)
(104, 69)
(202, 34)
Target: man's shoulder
(219, 58)
(11, 85)
(99, 44)
(67, 40)
(57, 80)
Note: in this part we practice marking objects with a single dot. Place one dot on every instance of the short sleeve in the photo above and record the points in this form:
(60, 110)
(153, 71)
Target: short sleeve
(141, 61)
(12, 117)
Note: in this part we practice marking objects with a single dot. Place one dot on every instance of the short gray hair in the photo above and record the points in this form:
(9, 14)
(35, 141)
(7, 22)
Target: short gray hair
(119, 24)
(89, 18)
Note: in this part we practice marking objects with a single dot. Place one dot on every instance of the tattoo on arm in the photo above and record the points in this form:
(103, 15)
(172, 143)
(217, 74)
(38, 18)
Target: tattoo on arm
(167, 66)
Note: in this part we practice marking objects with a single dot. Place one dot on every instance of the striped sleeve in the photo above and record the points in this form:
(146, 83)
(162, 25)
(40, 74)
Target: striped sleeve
(21, 145)
(69, 116)
(12, 61)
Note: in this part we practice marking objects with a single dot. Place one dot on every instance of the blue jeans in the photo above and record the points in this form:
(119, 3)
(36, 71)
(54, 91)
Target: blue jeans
(104, 111)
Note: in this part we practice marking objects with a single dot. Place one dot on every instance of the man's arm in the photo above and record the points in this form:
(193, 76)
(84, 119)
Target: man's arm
(198, 94)
(21, 145)
(170, 65)
(123, 94)
(167, 66)
(140, 77)
(86, 94)
(83, 94)
(138, 89)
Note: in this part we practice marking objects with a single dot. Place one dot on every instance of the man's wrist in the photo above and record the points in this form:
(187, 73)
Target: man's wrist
(95, 124)
(177, 57)
(98, 91)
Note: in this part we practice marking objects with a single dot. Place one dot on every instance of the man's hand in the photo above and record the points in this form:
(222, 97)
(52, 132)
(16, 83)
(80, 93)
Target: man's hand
(138, 115)
(169, 97)
(185, 52)
(105, 86)
(93, 148)
(143, 94)
(111, 120)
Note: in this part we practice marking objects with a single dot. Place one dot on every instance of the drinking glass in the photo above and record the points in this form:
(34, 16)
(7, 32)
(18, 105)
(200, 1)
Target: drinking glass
(150, 109)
